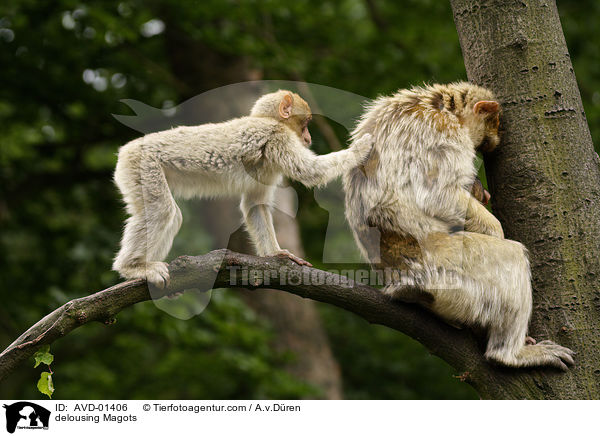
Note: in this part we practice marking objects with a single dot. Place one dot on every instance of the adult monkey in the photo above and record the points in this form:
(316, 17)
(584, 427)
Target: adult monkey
(414, 190)
(244, 157)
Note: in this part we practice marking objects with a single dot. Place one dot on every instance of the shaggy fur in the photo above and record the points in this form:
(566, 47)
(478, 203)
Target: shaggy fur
(411, 211)
(244, 157)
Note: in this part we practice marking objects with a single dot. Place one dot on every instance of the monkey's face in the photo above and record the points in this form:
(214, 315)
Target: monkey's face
(304, 132)
(483, 125)
(296, 114)
(302, 117)
(299, 124)
(491, 137)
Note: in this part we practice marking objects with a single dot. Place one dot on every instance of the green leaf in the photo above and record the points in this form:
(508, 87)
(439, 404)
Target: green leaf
(43, 355)
(45, 384)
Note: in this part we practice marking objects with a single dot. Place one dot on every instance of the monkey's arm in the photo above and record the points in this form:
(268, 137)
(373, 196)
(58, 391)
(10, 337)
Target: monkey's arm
(256, 208)
(259, 221)
(299, 163)
(478, 219)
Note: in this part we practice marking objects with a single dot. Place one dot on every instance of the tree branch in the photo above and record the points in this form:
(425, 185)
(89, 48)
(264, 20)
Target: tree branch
(227, 269)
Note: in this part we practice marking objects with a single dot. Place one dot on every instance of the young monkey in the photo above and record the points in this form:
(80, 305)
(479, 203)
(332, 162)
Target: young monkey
(449, 248)
(244, 157)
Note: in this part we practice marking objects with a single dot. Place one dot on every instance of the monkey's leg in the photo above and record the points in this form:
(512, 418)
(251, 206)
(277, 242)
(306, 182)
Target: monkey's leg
(155, 221)
(506, 332)
(408, 293)
(425, 295)
(259, 223)
(503, 303)
(490, 287)
(507, 329)
(146, 241)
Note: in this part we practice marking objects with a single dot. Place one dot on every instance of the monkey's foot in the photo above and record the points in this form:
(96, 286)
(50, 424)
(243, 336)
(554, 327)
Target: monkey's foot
(544, 353)
(529, 340)
(157, 274)
(560, 356)
(298, 260)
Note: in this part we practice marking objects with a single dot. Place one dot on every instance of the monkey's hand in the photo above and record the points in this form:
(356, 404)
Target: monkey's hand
(298, 260)
(487, 225)
(362, 147)
(479, 192)
(480, 220)
(157, 274)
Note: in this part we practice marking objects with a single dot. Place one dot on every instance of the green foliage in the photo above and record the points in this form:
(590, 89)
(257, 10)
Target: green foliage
(580, 22)
(384, 365)
(65, 66)
(224, 353)
(45, 384)
(44, 356)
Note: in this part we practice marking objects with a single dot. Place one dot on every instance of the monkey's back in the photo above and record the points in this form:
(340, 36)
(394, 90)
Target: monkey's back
(419, 150)
(209, 160)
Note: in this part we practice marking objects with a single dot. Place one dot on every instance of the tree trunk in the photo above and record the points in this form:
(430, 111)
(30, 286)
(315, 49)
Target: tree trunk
(544, 180)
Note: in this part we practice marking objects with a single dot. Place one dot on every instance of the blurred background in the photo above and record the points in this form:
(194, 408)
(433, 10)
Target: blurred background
(65, 66)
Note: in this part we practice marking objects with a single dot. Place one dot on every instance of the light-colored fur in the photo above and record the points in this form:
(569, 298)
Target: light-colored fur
(414, 190)
(244, 157)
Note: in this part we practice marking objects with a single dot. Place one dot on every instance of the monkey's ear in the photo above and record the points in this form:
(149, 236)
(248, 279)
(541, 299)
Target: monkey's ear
(285, 107)
(486, 107)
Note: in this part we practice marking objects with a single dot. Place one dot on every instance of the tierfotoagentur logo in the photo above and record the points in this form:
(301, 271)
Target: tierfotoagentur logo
(26, 416)
(250, 277)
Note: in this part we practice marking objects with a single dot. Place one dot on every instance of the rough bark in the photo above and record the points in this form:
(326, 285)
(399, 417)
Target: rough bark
(544, 178)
